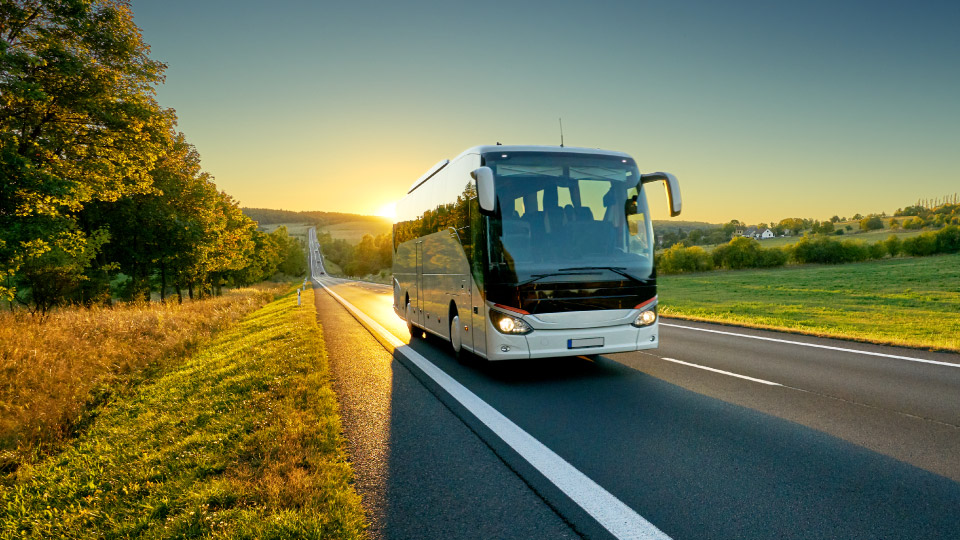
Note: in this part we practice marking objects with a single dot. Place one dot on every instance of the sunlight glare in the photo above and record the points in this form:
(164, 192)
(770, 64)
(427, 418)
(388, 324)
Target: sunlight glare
(388, 210)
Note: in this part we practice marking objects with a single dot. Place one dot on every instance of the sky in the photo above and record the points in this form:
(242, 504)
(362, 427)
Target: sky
(763, 110)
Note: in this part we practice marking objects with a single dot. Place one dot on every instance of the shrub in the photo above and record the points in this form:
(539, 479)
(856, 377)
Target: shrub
(871, 223)
(893, 244)
(678, 259)
(948, 239)
(771, 257)
(913, 223)
(830, 251)
(919, 246)
(878, 250)
(738, 253)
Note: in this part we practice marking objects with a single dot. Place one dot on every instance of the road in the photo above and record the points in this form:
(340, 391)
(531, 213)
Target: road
(722, 432)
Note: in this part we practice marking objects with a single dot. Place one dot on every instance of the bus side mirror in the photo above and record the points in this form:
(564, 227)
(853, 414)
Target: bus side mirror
(673, 189)
(486, 195)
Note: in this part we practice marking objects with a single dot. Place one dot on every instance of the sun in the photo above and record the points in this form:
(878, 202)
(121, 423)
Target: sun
(388, 210)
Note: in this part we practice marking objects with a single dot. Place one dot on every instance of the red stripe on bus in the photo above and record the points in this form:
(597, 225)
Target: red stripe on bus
(645, 304)
(515, 310)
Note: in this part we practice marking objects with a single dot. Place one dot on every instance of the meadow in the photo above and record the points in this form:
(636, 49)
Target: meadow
(867, 236)
(912, 301)
(353, 231)
(56, 372)
(240, 440)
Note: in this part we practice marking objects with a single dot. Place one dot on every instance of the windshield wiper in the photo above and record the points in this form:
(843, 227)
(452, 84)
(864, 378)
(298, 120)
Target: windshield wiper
(617, 269)
(537, 277)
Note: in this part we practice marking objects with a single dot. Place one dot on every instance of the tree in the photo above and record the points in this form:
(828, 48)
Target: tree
(872, 223)
(78, 123)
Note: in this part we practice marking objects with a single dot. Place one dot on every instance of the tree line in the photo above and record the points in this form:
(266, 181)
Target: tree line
(269, 216)
(100, 195)
(914, 217)
(371, 256)
(742, 252)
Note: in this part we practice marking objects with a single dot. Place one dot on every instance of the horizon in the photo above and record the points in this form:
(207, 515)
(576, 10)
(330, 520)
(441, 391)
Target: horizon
(760, 110)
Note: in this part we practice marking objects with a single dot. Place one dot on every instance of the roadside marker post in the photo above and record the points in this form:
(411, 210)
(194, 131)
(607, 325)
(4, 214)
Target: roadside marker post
(298, 297)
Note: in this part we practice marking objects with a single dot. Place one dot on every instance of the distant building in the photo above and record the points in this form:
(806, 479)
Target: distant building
(753, 232)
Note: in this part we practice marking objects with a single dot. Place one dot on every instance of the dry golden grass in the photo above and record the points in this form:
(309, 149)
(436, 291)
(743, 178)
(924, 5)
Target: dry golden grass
(54, 373)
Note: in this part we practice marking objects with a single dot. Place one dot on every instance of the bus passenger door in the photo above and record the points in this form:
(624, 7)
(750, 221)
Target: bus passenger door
(419, 280)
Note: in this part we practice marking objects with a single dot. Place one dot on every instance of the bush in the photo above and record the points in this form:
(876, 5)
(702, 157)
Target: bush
(738, 253)
(771, 257)
(948, 239)
(855, 251)
(830, 251)
(878, 250)
(920, 246)
(913, 223)
(678, 259)
(871, 223)
(747, 253)
(893, 244)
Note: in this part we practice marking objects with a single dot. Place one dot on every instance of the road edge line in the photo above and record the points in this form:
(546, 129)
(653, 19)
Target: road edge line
(815, 345)
(610, 512)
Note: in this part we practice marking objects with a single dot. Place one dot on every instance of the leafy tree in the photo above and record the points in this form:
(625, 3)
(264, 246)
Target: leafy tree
(920, 246)
(872, 223)
(78, 123)
(678, 259)
(893, 245)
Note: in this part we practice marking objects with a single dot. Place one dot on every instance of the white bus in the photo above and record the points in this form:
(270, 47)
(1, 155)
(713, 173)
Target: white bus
(514, 252)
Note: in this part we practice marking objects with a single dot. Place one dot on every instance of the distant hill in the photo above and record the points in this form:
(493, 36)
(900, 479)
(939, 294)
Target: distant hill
(268, 216)
(685, 226)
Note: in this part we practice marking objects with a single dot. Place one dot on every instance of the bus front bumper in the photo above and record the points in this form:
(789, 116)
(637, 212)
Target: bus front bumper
(572, 342)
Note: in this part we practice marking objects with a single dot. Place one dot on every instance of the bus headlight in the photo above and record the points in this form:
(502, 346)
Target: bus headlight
(646, 317)
(508, 324)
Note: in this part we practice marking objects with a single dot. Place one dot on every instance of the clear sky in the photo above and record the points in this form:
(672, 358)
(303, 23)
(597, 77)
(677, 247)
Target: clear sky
(764, 110)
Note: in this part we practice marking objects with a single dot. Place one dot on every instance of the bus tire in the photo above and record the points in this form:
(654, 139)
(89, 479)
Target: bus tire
(410, 327)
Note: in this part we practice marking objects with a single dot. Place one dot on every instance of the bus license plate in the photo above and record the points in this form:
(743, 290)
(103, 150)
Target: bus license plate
(585, 343)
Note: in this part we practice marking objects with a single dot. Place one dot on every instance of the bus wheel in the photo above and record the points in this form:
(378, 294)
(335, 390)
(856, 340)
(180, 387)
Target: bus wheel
(456, 340)
(414, 333)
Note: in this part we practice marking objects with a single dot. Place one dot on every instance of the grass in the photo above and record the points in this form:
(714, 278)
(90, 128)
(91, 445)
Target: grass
(911, 302)
(240, 441)
(353, 231)
(869, 237)
(54, 373)
(293, 229)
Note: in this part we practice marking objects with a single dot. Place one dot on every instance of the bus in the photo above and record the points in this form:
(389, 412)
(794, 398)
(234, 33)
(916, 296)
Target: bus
(517, 252)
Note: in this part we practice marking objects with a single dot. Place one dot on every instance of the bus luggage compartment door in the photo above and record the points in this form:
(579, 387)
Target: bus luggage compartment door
(418, 311)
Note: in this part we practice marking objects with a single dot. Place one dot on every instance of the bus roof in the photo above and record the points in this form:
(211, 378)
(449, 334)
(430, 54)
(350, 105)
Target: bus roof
(513, 148)
(536, 148)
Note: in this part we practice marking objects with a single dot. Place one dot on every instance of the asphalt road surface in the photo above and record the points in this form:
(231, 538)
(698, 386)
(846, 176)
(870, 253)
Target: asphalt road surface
(722, 432)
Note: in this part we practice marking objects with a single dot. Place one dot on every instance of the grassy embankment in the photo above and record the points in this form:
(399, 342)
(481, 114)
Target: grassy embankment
(905, 301)
(241, 440)
(56, 372)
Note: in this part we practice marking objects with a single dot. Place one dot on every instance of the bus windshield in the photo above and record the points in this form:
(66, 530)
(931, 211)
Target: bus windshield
(564, 215)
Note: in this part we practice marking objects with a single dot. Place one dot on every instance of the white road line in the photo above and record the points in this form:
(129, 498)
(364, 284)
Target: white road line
(761, 381)
(615, 516)
(841, 349)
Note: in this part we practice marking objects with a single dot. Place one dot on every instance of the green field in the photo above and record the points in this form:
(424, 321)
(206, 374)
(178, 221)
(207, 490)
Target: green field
(242, 440)
(353, 231)
(868, 237)
(904, 301)
(293, 229)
